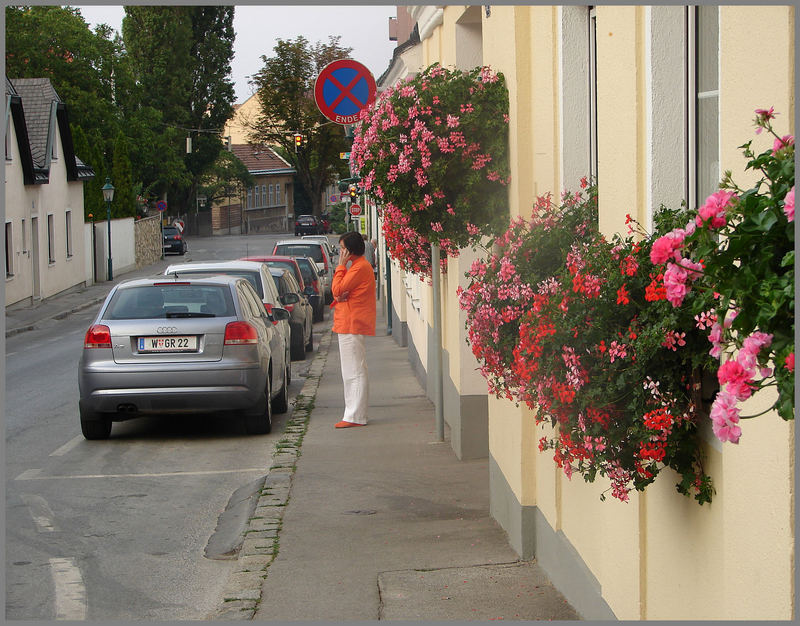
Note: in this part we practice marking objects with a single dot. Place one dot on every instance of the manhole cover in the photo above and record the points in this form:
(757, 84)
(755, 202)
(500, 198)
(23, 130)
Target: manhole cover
(361, 512)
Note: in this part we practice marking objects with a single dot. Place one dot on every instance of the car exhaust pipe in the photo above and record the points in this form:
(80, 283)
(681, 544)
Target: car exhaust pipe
(126, 408)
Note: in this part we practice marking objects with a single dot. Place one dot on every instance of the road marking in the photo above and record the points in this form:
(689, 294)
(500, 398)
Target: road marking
(67, 446)
(37, 474)
(8, 354)
(70, 593)
(29, 474)
(41, 513)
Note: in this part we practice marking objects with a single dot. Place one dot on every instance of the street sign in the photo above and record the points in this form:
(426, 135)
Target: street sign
(161, 205)
(344, 197)
(355, 209)
(334, 198)
(343, 89)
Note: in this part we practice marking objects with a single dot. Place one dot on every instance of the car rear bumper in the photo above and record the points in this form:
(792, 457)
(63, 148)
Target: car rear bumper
(170, 392)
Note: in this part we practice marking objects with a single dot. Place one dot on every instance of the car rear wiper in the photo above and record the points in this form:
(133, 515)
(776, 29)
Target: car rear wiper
(186, 314)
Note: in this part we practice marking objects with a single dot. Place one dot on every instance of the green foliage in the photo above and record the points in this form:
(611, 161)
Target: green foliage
(436, 147)
(227, 177)
(124, 204)
(285, 87)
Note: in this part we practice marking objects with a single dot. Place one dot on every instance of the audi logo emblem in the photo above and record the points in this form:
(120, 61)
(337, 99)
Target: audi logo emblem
(166, 330)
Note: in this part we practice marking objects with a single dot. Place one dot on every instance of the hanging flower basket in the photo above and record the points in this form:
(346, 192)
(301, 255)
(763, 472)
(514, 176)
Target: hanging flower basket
(433, 151)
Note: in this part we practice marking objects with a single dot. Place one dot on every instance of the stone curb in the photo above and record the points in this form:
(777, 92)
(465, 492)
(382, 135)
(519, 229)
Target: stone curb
(242, 591)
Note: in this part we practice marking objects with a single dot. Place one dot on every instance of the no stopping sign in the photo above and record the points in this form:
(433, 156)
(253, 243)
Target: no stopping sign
(343, 89)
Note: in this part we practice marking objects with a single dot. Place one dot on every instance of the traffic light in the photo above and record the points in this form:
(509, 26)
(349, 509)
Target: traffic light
(353, 190)
(298, 141)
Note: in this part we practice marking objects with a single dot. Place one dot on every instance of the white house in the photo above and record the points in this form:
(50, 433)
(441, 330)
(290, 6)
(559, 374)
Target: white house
(44, 226)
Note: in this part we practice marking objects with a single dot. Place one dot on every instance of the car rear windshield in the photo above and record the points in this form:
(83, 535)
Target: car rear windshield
(305, 270)
(284, 265)
(299, 249)
(171, 230)
(306, 219)
(252, 276)
(167, 301)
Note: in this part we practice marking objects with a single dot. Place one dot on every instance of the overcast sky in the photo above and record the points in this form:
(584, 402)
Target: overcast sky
(363, 28)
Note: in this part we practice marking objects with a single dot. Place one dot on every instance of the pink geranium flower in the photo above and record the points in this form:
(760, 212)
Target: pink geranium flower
(714, 209)
(725, 418)
(667, 247)
(781, 143)
(788, 204)
(736, 378)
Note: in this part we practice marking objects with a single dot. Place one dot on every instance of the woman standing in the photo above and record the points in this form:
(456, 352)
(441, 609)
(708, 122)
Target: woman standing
(354, 318)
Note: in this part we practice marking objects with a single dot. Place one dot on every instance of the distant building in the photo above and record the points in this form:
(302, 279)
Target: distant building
(266, 206)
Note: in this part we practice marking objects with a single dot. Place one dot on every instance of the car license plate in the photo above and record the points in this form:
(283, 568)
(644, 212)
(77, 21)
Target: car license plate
(187, 343)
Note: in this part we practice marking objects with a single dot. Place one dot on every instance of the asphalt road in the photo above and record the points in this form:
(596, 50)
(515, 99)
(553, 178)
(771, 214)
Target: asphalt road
(109, 530)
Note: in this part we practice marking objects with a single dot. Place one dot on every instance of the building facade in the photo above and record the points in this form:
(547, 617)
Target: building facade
(653, 102)
(44, 226)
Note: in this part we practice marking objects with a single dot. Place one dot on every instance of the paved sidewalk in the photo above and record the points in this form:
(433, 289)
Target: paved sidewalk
(382, 522)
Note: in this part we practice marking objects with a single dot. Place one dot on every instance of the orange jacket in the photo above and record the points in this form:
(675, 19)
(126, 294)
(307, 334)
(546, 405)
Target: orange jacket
(356, 315)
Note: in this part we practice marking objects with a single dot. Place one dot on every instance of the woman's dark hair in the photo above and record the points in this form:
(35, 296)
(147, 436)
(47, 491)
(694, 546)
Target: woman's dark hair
(353, 242)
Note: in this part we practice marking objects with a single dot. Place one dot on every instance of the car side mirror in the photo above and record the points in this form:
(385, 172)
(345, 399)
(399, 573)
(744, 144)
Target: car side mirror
(290, 298)
(279, 314)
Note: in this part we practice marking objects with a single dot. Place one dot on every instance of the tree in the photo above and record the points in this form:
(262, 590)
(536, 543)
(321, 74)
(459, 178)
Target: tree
(180, 57)
(56, 43)
(124, 204)
(285, 88)
(227, 173)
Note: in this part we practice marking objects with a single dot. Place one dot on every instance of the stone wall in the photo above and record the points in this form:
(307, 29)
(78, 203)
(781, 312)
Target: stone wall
(147, 238)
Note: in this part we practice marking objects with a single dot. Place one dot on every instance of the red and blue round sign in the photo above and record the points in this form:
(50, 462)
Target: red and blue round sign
(343, 89)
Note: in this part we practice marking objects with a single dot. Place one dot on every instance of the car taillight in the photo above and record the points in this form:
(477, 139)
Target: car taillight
(289, 307)
(315, 284)
(98, 336)
(178, 237)
(268, 307)
(239, 333)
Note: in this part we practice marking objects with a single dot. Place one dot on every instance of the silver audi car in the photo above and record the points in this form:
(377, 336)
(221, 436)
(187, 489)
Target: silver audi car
(171, 345)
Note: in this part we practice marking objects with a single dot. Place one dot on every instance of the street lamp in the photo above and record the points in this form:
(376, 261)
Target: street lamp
(108, 196)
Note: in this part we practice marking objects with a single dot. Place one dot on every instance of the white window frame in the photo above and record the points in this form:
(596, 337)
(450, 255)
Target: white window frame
(593, 93)
(694, 194)
(277, 194)
(9, 249)
(51, 239)
(250, 198)
(68, 232)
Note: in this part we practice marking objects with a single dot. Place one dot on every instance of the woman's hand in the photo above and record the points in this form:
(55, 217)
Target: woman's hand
(342, 297)
(344, 256)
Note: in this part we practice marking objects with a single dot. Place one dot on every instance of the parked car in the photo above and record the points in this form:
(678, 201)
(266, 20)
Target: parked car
(173, 240)
(326, 222)
(305, 272)
(313, 285)
(301, 314)
(259, 277)
(176, 345)
(333, 251)
(317, 251)
(306, 224)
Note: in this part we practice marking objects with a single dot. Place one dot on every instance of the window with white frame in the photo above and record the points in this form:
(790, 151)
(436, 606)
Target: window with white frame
(68, 232)
(9, 250)
(271, 196)
(593, 93)
(278, 193)
(703, 115)
(51, 239)
(257, 202)
(8, 139)
(250, 198)
(264, 196)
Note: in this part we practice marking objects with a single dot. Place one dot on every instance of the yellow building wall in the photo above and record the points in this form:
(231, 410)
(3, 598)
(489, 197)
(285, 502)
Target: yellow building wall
(660, 556)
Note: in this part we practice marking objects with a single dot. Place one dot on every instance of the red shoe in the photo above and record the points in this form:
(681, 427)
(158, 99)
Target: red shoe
(344, 424)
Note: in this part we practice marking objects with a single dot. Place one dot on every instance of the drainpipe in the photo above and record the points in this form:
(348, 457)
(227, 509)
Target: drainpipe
(436, 364)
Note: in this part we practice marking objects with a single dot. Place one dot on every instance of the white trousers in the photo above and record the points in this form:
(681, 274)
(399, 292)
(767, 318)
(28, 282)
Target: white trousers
(353, 356)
